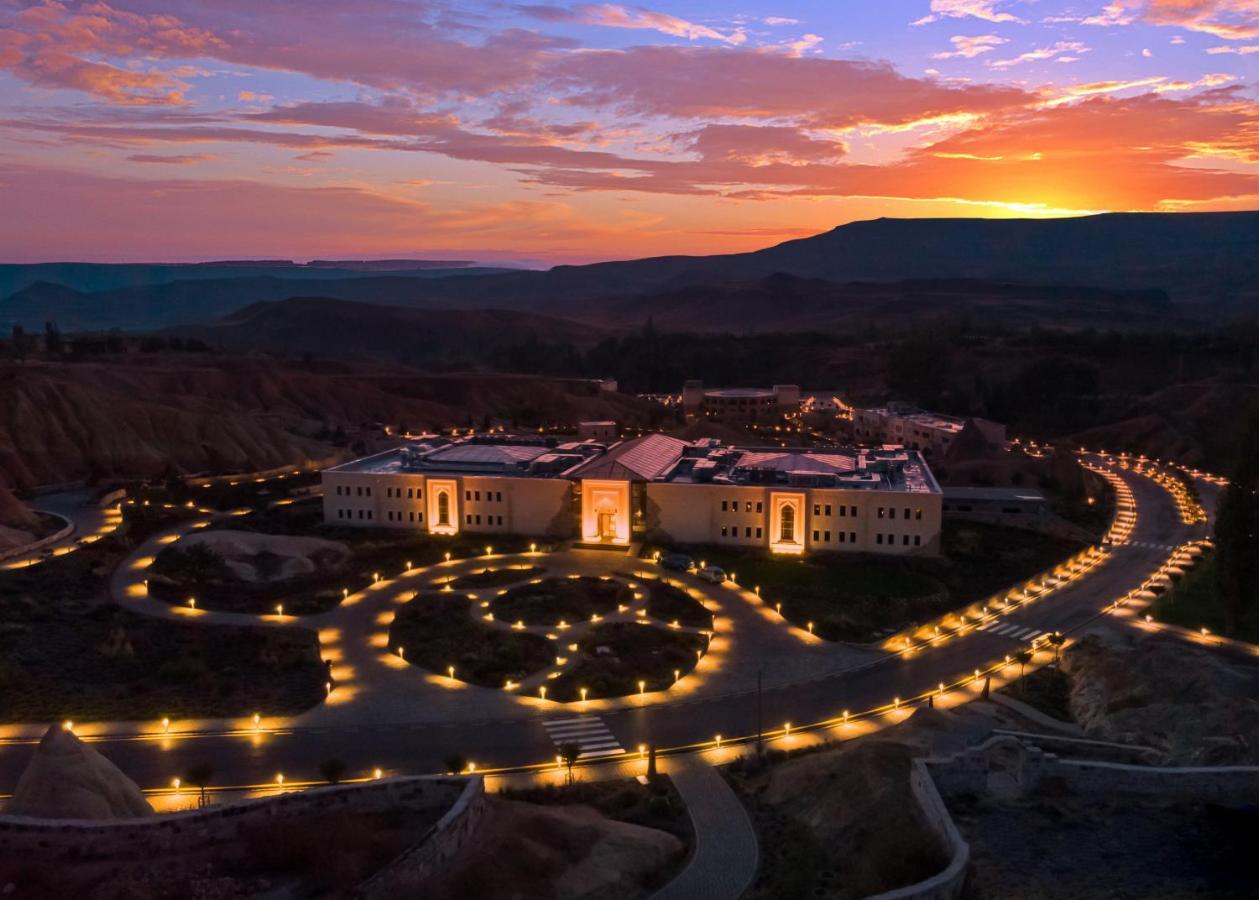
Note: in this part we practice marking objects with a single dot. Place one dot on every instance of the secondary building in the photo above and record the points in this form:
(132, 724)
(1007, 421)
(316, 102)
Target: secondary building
(793, 501)
(932, 433)
(740, 404)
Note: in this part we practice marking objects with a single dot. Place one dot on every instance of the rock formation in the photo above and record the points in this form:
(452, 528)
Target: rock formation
(67, 779)
(1190, 706)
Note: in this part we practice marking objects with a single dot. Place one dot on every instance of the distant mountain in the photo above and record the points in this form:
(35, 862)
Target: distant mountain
(418, 337)
(786, 302)
(155, 306)
(90, 277)
(1206, 264)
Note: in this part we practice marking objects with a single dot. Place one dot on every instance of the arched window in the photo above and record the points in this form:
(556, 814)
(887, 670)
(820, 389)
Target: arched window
(443, 508)
(787, 524)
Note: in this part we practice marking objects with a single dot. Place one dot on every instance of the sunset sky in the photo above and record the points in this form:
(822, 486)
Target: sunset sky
(177, 130)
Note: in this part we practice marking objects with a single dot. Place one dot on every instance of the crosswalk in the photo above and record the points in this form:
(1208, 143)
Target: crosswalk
(1011, 631)
(1150, 545)
(588, 732)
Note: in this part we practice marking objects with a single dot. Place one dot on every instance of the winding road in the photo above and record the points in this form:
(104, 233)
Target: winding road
(390, 716)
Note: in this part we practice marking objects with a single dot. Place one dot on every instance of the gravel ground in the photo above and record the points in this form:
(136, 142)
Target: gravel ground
(1087, 848)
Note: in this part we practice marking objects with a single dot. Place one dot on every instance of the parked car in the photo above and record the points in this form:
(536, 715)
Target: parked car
(679, 562)
(715, 574)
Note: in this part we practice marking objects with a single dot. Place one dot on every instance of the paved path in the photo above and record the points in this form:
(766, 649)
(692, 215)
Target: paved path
(726, 852)
(91, 522)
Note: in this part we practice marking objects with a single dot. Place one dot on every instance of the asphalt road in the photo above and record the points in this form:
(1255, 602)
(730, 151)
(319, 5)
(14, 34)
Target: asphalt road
(252, 759)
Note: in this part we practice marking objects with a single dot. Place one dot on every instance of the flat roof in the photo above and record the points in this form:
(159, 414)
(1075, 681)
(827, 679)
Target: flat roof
(1025, 495)
(739, 393)
(656, 458)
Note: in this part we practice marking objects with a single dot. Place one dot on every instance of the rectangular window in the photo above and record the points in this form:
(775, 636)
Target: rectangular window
(878, 538)
(749, 506)
(918, 540)
(467, 518)
(905, 540)
(498, 496)
(826, 536)
(760, 507)
(815, 537)
(918, 514)
(478, 520)
(369, 491)
(906, 512)
(724, 506)
(852, 537)
(411, 517)
(419, 517)
(370, 514)
(360, 490)
(747, 531)
(467, 495)
(841, 537)
(758, 532)
(828, 509)
(725, 530)
(500, 520)
(882, 511)
(817, 510)
(476, 496)
(854, 511)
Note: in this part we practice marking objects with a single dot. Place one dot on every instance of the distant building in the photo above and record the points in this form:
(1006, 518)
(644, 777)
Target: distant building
(695, 492)
(597, 431)
(739, 404)
(931, 433)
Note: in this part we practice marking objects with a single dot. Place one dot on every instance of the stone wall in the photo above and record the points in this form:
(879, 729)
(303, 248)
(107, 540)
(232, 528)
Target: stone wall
(132, 839)
(967, 772)
(947, 884)
(406, 875)
(34, 546)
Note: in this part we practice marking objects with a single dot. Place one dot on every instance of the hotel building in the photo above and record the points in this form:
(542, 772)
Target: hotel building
(656, 487)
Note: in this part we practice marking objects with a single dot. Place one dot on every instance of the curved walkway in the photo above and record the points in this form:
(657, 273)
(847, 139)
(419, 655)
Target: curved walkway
(726, 851)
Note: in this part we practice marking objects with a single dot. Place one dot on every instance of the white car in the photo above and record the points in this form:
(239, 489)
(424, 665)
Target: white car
(715, 574)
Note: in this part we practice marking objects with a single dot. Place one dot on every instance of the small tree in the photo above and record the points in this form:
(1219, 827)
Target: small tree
(570, 751)
(199, 776)
(455, 763)
(1023, 657)
(333, 770)
(1056, 640)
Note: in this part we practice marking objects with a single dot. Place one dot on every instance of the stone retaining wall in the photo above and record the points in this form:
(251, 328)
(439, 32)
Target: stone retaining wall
(35, 546)
(146, 838)
(967, 772)
(405, 875)
(947, 884)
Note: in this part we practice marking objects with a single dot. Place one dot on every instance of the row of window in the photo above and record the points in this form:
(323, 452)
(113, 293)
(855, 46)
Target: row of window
(891, 512)
(490, 496)
(891, 540)
(820, 509)
(412, 493)
(396, 516)
(344, 490)
(349, 514)
(733, 531)
(733, 506)
(470, 519)
(842, 537)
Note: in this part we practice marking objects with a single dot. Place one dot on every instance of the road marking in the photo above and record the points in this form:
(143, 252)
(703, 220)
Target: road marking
(587, 732)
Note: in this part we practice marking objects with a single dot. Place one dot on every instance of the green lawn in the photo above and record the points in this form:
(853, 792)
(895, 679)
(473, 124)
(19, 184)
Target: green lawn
(1194, 602)
(632, 653)
(851, 597)
(560, 599)
(437, 630)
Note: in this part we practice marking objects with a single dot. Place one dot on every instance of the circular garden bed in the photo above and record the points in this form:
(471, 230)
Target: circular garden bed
(555, 600)
(437, 630)
(670, 604)
(614, 658)
(495, 577)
